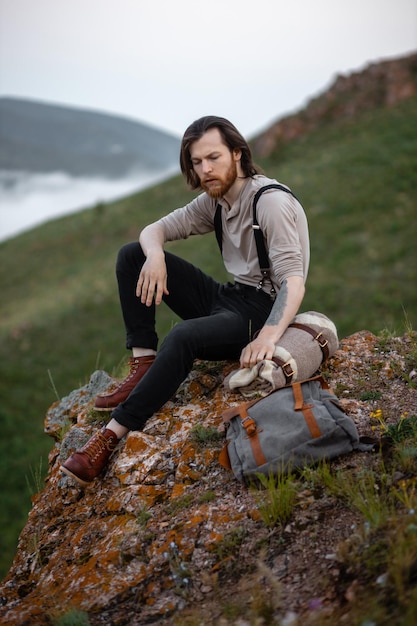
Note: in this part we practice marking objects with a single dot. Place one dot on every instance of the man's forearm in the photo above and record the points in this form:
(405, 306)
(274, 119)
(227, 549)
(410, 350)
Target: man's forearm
(282, 313)
(152, 239)
(152, 281)
(285, 307)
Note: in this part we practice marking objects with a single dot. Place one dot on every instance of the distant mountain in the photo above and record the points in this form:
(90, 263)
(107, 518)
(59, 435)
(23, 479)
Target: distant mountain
(39, 137)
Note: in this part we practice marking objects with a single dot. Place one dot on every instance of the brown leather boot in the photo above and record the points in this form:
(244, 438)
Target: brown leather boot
(138, 367)
(86, 464)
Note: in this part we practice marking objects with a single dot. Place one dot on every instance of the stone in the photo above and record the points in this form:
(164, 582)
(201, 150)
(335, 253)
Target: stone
(166, 527)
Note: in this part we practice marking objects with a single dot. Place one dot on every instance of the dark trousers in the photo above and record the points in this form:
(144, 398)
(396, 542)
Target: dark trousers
(219, 320)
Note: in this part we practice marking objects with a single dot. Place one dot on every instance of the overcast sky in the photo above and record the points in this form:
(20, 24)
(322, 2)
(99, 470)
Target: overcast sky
(167, 62)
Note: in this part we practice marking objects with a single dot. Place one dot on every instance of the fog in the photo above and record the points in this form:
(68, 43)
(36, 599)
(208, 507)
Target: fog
(27, 200)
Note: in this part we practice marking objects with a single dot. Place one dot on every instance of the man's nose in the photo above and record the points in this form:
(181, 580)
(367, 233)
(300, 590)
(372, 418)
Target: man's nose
(206, 166)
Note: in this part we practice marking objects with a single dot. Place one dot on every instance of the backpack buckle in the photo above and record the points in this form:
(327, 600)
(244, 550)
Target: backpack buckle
(250, 426)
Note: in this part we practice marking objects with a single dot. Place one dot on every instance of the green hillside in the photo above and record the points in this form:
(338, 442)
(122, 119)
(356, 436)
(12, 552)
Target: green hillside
(59, 312)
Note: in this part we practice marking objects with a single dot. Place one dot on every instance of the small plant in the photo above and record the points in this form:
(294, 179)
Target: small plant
(406, 456)
(265, 604)
(407, 494)
(276, 503)
(378, 422)
(54, 389)
(207, 496)
(35, 554)
(402, 562)
(388, 559)
(228, 546)
(35, 486)
(65, 427)
(143, 516)
(320, 477)
(205, 436)
(366, 493)
(405, 428)
(180, 571)
(370, 395)
(73, 617)
(370, 499)
(340, 389)
(94, 417)
(183, 502)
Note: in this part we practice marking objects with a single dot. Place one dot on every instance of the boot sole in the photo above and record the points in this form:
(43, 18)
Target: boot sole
(80, 481)
(105, 408)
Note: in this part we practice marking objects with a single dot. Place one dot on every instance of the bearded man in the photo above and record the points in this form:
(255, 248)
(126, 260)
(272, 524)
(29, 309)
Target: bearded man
(243, 319)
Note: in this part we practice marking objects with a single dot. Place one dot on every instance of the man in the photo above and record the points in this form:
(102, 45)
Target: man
(242, 320)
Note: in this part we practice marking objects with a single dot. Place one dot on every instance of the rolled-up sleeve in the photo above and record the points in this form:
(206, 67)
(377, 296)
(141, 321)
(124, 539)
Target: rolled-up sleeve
(285, 228)
(195, 218)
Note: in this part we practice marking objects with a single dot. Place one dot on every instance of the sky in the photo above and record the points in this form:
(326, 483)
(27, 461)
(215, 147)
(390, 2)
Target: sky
(168, 62)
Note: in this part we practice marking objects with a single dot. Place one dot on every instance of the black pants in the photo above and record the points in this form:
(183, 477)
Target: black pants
(219, 320)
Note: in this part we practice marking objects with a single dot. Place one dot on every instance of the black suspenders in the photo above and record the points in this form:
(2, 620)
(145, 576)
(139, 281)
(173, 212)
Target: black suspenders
(259, 238)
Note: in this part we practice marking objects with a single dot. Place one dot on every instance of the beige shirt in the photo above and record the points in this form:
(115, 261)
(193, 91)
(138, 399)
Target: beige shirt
(281, 219)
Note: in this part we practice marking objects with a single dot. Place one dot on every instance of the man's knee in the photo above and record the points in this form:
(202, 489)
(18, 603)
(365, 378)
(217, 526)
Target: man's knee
(184, 334)
(130, 253)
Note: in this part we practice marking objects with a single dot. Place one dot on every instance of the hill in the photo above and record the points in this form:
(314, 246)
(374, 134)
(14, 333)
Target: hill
(59, 313)
(380, 85)
(40, 137)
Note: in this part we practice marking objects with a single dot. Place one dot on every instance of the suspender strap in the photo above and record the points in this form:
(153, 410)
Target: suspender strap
(218, 229)
(259, 238)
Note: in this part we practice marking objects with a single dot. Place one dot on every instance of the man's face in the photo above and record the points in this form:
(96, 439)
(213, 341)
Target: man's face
(214, 164)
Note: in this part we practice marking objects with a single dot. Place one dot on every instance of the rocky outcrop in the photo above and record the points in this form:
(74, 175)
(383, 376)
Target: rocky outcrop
(167, 530)
(379, 85)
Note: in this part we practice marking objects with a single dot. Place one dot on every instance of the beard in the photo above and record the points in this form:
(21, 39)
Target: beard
(221, 186)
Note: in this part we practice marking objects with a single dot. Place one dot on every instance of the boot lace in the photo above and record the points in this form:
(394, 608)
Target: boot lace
(98, 444)
(133, 369)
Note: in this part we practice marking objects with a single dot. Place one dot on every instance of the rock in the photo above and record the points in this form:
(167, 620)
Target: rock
(166, 528)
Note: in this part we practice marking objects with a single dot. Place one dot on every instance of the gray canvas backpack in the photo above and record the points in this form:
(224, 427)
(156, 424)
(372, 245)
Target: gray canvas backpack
(292, 427)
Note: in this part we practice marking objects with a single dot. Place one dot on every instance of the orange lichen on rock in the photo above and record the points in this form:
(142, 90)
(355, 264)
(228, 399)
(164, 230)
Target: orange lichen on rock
(165, 522)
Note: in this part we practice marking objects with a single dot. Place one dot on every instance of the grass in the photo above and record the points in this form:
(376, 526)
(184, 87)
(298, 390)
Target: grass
(72, 617)
(379, 557)
(276, 501)
(60, 317)
(376, 562)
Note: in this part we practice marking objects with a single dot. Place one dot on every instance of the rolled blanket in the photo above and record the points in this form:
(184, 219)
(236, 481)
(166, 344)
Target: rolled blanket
(310, 339)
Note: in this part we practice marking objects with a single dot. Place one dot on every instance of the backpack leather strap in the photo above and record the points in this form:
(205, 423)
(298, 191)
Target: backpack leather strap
(299, 405)
(252, 434)
(251, 429)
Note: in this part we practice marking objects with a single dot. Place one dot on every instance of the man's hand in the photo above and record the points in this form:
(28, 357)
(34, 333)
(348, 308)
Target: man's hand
(283, 311)
(152, 282)
(261, 348)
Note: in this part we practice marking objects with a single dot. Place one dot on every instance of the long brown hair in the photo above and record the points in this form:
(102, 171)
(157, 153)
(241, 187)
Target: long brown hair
(231, 137)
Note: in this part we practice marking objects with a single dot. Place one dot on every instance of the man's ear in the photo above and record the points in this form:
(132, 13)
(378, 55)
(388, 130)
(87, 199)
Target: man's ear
(237, 154)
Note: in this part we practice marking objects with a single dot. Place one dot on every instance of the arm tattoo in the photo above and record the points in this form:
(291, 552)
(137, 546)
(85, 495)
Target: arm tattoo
(279, 306)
